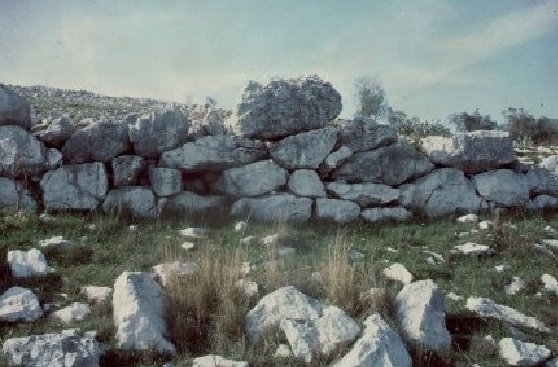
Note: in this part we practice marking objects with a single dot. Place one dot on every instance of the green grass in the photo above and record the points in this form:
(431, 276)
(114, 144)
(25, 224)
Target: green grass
(206, 306)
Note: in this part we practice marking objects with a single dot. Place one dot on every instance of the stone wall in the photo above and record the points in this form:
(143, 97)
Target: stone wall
(289, 161)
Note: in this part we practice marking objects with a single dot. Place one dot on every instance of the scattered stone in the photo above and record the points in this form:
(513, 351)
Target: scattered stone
(454, 297)
(55, 242)
(96, 294)
(473, 249)
(271, 239)
(248, 288)
(551, 242)
(272, 208)
(516, 285)
(216, 361)
(166, 181)
(194, 233)
(138, 311)
(240, 226)
(501, 268)
(188, 246)
(304, 182)
(45, 217)
(486, 224)
(24, 264)
(75, 311)
(398, 273)
(364, 194)
(487, 308)
(518, 353)
(18, 303)
(385, 214)
(421, 315)
(339, 211)
(468, 218)
(168, 271)
(433, 258)
(131, 201)
(247, 240)
(379, 345)
(158, 132)
(550, 284)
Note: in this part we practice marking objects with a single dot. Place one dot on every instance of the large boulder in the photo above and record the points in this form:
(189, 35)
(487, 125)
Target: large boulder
(57, 132)
(75, 186)
(503, 187)
(98, 142)
(214, 153)
(364, 194)
(362, 134)
(67, 349)
(13, 195)
(305, 182)
(421, 315)
(282, 207)
(14, 109)
(252, 179)
(391, 165)
(139, 305)
(471, 152)
(21, 153)
(153, 134)
(287, 107)
(131, 201)
(379, 345)
(339, 211)
(187, 202)
(127, 169)
(441, 192)
(18, 304)
(304, 150)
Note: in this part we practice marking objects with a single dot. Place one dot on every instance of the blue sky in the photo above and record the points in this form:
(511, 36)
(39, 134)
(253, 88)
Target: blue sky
(433, 57)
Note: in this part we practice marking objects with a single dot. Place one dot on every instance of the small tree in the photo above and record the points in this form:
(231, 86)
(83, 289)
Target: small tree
(371, 98)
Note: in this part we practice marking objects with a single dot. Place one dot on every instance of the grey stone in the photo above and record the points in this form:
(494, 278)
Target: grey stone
(336, 158)
(53, 158)
(14, 109)
(282, 207)
(57, 132)
(471, 152)
(550, 163)
(304, 182)
(18, 303)
(392, 165)
(20, 153)
(214, 153)
(364, 194)
(187, 202)
(131, 201)
(98, 142)
(14, 196)
(75, 186)
(362, 134)
(542, 202)
(385, 214)
(503, 187)
(518, 353)
(253, 179)
(340, 211)
(304, 150)
(155, 133)
(542, 181)
(166, 181)
(287, 107)
(127, 170)
(24, 264)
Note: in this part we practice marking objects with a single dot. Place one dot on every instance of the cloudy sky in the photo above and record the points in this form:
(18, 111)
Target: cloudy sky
(434, 57)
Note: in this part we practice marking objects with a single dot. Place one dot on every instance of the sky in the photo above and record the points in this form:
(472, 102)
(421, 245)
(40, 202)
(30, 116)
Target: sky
(433, 57)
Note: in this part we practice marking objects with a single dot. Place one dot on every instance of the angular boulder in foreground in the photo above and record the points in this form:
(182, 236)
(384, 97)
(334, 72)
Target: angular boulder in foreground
(518, 353)
(281, 207)
(287, 107)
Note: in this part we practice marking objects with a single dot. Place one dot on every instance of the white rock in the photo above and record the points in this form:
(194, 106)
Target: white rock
(551, 242)
(216, 361)
(516, 285)
(485, 307)
(421, 315)
(18, 303)
(399, 273)
(469, 218)
(96, 293)
(247, 240)
(518, 353)
(379, 346)
(240, 226)
(75, 311)
(433, 258)
(247, 287)
(550, 284)
(188, 246)
(550, 230)
(173, 270)
(28, 263)
(195, 233)
(473, 249)
(139, 304)
(54, 242)
(133, 227)
(454, 297)
(501, 268)
(45, 217)
(486, 224)
(271, 239)
(283, 351)
(552, 363)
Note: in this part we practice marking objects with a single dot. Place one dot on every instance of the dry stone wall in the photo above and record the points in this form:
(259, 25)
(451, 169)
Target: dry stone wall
(288, 162)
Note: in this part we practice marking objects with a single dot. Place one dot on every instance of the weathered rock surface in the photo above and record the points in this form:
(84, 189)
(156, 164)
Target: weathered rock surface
(253, 179)
(30, 263)
(441, 192)
(214, 153)
(76, 311)
(503, 187)
(379, 346)
(485, 307)
(542, 182)
(75, 186)
(18, 303)
(362, 134)
(98, 142)
(135, 202)
(166, 181)
(542, 202)
(421, 314)
(139, 304)
(21, 153)
(127, 170)
(305, 182)
(14, 109)
(392, 165)
(471, 152)
(216, 361)
(518, 353)
(364, 194)
(153, 134)
(550, 163)
(57, 132)
(398, 272)
(186, 202)
(67, 349)
(13, 195)
(340, 211)
(287, 107)
(336, 158)
(304, 150)
(282, 207)
(385, 214)
(174, 270)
